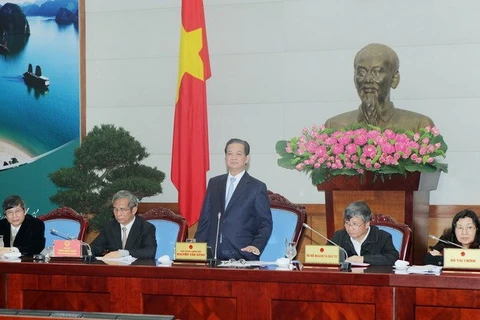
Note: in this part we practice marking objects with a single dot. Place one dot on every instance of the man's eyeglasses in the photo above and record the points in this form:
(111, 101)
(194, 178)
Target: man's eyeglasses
(468, 229)
(13, 212)
(353, 225)
(121, 210)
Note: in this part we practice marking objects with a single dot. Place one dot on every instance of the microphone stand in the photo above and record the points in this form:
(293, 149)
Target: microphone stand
(445, 241)
(215, 262)
(344, 265)
(89, 257)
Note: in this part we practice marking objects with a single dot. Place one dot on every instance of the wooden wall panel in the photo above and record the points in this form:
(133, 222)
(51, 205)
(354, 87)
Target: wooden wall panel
(198, 292)
(448, 297)
(222, 300)
(375, 199)
(67, 301)
(47, 292)
(3, 297)
(191, 307)
(404, 303)
(308, 310)
(437, 313)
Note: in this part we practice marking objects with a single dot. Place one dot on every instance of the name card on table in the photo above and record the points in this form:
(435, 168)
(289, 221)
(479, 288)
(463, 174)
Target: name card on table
(322, 254)
(191, 251)
(454, 258)
(67, 248)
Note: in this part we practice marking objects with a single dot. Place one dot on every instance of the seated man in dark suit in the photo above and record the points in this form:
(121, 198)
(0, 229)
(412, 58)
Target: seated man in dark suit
(19, 229)
(127, 234)
(363, 242)
(243, 205)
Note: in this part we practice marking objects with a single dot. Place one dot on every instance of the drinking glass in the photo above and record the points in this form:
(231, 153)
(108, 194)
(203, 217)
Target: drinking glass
(48, 251)
(290, 250)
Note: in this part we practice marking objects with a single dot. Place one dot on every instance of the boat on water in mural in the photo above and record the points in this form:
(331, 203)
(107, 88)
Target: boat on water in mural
(35, 79)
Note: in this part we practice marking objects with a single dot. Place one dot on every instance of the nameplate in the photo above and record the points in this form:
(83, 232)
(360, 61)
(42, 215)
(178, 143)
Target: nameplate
(454, 258)
(191, 251)
(322, 254)
(67, 248)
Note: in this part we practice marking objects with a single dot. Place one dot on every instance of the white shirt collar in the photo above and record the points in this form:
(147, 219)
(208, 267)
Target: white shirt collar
(238, 176)
(358, 244)
(14, 230)
(128, 226)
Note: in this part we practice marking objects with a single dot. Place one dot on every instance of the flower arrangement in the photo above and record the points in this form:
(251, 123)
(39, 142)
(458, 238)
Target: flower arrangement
(325, 152)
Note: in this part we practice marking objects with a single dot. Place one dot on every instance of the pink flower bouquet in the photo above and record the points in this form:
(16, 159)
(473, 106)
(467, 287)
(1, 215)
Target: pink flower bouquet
(325, 152)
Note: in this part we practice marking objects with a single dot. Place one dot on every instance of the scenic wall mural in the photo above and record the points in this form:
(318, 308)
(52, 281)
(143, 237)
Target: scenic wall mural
(39, 96)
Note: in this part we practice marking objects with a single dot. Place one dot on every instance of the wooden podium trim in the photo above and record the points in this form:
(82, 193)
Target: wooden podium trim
(415, 188)
(413, 181)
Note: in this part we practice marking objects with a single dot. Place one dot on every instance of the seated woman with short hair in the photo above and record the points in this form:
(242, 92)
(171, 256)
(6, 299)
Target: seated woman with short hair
(464, 231)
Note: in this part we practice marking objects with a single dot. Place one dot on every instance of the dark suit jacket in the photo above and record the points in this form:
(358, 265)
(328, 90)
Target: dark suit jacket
(141, 242)
(30, 237)
(247, 221)
(377, 249)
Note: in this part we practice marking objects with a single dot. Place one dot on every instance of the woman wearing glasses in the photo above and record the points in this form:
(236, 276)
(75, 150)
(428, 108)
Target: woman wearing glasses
(19, 229)
(364, 243)
(465, 232)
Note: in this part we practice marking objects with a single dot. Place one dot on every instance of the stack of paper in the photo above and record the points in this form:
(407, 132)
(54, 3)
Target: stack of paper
(244, 264)
(427, 269)
(127, 260)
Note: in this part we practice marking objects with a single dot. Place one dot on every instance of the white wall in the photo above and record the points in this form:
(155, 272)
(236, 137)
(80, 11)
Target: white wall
(281, 65)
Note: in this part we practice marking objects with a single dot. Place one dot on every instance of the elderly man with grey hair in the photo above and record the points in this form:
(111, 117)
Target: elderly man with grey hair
(363, 242)
(127, 234)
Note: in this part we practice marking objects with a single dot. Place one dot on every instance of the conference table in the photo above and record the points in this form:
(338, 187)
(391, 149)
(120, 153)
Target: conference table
(195, 291)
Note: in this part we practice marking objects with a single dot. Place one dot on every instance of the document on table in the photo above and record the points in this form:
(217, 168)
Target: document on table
(244, 264)
(427, 269)
(118, 261)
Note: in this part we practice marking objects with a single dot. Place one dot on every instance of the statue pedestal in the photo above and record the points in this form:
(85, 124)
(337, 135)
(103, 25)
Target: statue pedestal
(406, 199)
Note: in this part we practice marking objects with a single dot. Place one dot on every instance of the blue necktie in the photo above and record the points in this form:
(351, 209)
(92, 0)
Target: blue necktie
(230, 191)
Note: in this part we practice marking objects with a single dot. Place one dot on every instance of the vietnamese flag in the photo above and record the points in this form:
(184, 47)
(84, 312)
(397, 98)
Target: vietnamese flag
(190, 153)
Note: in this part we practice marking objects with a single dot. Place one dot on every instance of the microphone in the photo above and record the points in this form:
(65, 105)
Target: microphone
(445, 241)
(344, 265)
(215, 262)
(89, 256)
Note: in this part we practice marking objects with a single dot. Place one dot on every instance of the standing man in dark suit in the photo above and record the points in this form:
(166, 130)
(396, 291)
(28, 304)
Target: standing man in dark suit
(240, 203)
(127, 234)
(19, 229)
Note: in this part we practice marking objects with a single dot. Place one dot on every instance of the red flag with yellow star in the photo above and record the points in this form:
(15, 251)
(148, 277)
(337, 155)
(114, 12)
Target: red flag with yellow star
(190, 154)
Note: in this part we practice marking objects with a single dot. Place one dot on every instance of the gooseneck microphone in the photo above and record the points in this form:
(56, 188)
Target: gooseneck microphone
(215, 262)
(344, 265)
(89, 256)
(445, 241)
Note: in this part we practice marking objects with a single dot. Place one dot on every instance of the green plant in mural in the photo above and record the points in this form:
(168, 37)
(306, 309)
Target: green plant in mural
(108, 160)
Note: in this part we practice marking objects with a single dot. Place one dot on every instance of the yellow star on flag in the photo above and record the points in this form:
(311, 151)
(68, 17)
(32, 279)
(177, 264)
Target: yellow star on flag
(190, 61)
